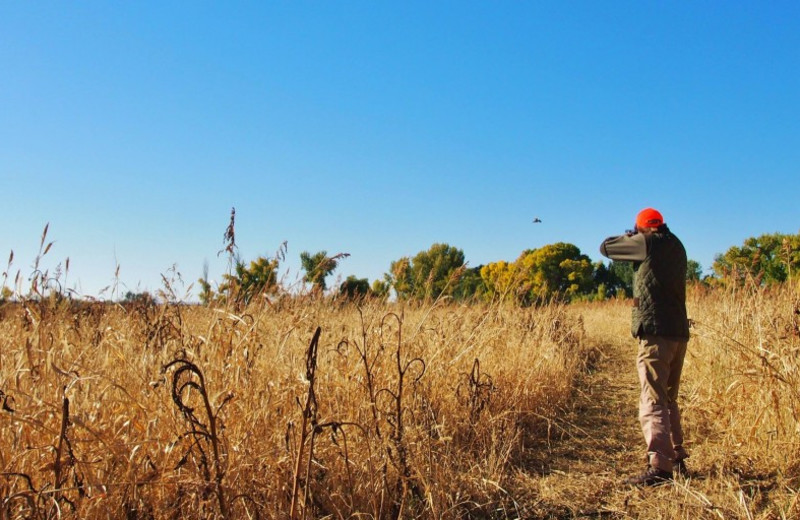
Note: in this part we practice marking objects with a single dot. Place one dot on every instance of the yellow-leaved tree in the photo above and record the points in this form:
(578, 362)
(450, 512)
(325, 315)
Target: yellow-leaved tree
(555, 271)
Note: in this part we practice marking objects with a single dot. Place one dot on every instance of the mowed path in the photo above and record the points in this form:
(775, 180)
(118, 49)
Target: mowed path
(597, 443)
(593, 446)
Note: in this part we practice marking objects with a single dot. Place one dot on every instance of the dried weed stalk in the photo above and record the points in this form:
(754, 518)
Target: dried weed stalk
(397, 450)
(477, 391)
(309, 418)
(186, 379)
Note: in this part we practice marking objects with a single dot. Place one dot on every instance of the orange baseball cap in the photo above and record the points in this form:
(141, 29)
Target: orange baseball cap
(649, 217)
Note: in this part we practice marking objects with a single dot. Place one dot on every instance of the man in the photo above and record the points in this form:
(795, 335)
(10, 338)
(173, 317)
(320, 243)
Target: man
(660, 325)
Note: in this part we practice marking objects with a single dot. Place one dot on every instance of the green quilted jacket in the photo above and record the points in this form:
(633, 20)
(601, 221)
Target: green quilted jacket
(659, 281)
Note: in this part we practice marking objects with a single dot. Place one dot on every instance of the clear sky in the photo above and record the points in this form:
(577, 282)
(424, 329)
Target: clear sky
(380, 128)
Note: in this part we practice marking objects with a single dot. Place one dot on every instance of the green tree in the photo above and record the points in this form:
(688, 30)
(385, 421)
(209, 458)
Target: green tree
(768, 259)
(694, 271)
(206, 292)
(790, 253)
(602, 281)
(470, 285)
(318, 266)
(355, 288)
(439, 270)
(435, 271)
(381, 288)
(620, 279)
(143, 297)
(249, 281)
(399, 278)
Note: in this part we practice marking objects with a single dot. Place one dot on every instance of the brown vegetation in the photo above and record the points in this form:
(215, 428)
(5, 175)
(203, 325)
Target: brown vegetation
(428, 411)
(174, 411)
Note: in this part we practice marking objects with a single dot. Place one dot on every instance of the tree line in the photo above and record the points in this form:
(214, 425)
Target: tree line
(557, 271)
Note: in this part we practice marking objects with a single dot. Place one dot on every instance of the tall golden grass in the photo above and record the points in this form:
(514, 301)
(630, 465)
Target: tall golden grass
(740, 394)
(309, 408)
(189, 412)
(745, 377)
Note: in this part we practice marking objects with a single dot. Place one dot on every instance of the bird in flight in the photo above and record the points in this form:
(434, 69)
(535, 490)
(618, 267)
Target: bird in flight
(537, 220)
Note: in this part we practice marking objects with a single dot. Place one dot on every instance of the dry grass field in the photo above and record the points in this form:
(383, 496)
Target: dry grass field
(316, 409)
(740, 393)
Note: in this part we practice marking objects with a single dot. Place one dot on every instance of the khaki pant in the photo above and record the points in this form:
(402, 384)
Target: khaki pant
(659, 363)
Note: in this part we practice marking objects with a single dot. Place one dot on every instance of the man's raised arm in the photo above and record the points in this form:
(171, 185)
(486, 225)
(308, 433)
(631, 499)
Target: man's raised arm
(630, 248)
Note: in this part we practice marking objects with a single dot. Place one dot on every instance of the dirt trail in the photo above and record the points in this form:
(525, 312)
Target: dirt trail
(598, 442)
(604, 420)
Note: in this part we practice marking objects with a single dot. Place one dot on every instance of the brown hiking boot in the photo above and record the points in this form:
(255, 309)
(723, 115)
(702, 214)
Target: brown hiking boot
(651, 477)
(680, 469)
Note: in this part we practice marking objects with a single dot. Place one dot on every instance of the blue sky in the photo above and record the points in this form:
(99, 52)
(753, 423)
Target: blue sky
(380, 128)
